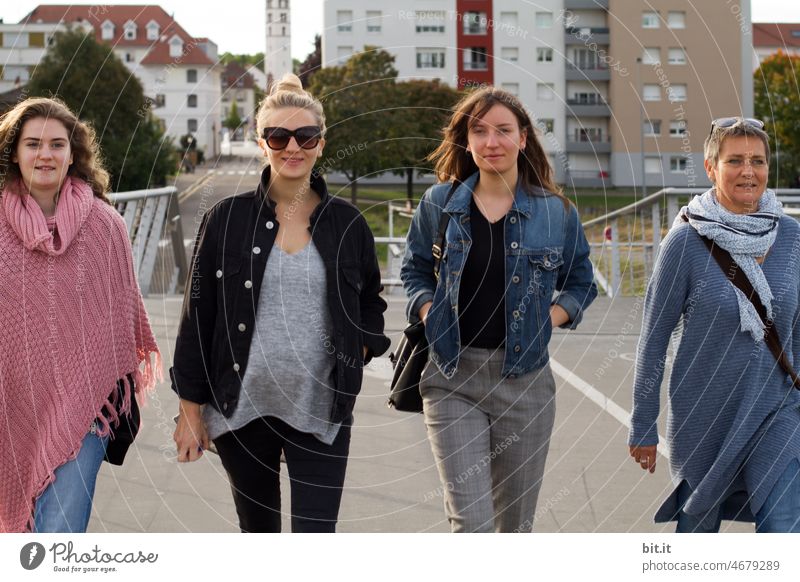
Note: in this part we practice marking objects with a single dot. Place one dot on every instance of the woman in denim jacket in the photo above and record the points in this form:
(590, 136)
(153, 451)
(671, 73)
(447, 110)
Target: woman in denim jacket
(511, 241)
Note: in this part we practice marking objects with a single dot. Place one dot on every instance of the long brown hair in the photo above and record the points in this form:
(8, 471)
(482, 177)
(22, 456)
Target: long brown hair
(453, 162)
(86, 161)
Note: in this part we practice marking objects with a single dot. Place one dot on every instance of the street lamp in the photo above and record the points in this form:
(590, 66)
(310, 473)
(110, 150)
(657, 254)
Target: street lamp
(640, 89)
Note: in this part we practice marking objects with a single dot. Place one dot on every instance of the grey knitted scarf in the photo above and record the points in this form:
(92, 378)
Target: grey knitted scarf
(746, 237)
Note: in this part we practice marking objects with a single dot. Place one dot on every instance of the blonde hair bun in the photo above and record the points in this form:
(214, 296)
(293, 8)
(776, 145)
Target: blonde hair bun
(289, 82)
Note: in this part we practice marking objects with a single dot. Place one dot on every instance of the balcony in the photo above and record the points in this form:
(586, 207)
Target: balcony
(588, 144)
(577, 35)
(593, 106)
(588, 179)
(586, 4)
(476, 66)
(587, 72)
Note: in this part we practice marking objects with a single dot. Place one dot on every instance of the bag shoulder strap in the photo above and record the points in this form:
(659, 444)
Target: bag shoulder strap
(738, 278)
(438, 243)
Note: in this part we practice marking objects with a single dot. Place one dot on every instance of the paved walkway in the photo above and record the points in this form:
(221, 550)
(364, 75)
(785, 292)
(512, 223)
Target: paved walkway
(591, 484)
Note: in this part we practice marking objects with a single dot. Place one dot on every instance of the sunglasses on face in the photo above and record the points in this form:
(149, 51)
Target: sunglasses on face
(307, 137)
(724, 122)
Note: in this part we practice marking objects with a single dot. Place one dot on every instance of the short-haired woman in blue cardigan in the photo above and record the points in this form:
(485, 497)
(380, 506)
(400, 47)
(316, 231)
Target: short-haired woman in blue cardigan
(734, 421)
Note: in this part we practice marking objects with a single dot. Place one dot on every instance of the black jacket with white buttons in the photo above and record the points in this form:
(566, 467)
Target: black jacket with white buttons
(219, 307)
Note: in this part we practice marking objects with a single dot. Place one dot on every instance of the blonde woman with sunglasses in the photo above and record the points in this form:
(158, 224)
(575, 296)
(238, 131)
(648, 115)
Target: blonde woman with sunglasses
(282, 312)
(734, 425)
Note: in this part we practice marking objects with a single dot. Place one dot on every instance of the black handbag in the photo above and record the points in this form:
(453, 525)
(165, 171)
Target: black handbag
(411, 355)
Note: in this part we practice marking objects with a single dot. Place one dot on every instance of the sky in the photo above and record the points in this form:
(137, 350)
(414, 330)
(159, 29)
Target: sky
(239, 27)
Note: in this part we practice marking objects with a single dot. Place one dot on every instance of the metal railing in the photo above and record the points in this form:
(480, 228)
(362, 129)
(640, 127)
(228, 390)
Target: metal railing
(154, 228)
(624, 243)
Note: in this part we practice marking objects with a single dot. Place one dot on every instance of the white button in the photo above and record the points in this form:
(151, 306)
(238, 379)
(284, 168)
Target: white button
(514, 245)
(256, 250)
(219, 274)
(248, 284)
(242, 327)
(270, 224)
(236, 367)
(513, 219)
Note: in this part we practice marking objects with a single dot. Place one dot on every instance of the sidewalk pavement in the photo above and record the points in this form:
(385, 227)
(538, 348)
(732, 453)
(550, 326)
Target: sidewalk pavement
(590, 485)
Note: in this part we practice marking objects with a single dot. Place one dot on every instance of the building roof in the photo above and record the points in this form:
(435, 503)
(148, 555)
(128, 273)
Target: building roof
(776, 34)
(236, 76)
(141, 14)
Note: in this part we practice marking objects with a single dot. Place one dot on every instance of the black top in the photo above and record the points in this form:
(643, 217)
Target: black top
(481, 295)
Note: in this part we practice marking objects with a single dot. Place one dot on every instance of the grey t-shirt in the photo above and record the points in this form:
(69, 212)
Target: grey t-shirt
(291, 362)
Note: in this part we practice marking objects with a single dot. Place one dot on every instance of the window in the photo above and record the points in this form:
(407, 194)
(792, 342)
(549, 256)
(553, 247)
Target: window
(544, 20)
(269, 18)
(283, 31)
(545, 91)
(651, 93)
(676, 19)
(430, 58)
(676, 93)
(191, 125)
(344, 20)
(240, 96)
(652, 165)
(107, 30)
(650, 20)
(429, 21)
(283, 16)
(475, 23)
(651, 56)
(547, 125)
(343, 53)
(475, 58)
(544, 55)
(128, 58)
(512, 88)
(509, 53)
(677, 164)
(130, 30)
(191, 100)
(374, 18)
(36, 39)
(652, 127)
(175, 47)
(677, 128)
(152, 30)
(191, 76)
(677, 56)
(509, 21)
(161, 100)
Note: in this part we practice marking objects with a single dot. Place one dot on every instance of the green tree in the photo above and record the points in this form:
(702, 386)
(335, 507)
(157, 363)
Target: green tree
(233, 121)
(777, 102)
(312, 64)
(423, 109)
(101, 90)
(243, 59)
(357, 98)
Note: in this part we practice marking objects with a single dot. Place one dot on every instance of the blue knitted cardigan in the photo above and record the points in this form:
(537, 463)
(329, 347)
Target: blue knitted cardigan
(734, 419)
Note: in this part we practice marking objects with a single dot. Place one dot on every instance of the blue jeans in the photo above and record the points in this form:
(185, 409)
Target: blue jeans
(66, 504)
(779, 514)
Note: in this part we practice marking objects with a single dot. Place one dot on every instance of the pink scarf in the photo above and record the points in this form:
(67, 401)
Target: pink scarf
(72, 323)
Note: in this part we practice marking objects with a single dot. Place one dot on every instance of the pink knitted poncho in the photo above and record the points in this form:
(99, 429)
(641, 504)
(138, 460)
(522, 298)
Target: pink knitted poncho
(72, 323)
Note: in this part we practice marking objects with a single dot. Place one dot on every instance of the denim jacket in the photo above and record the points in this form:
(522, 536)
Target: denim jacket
(546, 251)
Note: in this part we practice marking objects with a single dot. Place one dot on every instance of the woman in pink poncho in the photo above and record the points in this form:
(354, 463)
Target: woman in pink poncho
(73, 330)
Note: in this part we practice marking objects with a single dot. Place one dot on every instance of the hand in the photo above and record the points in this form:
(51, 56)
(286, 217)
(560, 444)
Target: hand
(190, 434)
(558, 315)
(645, 456)
(423, 311)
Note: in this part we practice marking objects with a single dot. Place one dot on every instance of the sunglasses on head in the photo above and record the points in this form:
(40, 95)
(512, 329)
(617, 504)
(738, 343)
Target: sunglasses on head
(307, 137)
(724, 122)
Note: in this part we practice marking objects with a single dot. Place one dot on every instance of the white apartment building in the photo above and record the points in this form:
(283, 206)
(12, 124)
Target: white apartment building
(180, 73)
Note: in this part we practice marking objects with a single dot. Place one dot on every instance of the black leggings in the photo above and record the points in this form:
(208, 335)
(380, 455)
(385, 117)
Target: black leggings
(251, 456)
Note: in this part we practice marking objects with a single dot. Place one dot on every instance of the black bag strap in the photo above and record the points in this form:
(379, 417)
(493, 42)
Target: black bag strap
(438, 244)
(738, 278)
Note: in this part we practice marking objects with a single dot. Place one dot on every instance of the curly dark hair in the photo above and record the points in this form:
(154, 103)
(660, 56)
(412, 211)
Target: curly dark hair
(86, 161)
(453, 162)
